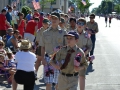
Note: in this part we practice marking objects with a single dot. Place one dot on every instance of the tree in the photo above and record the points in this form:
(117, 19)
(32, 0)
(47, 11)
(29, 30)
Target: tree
(117, 8)
(106, 7)
(80, 5)
(25, 10)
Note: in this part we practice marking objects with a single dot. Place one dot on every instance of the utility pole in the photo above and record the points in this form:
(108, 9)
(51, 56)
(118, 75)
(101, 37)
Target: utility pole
(65, 6)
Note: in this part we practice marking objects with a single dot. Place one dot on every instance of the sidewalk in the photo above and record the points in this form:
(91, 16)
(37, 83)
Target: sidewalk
(39, 84)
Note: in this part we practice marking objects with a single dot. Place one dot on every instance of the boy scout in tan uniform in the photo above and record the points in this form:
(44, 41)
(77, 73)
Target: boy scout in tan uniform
(62, 24)
(94, 26)
(52, 38)
(83, 42)
(45, 24)
(68, 78)
(72, 25)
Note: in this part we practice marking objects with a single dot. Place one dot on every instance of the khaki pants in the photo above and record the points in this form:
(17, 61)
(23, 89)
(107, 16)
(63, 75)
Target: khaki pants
(67, 83)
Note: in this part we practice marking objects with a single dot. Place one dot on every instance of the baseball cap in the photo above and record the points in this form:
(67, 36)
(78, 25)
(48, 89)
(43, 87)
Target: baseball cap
(62, 20)
(45, 20)
(55, 14)
(73, 34)
(10, 30)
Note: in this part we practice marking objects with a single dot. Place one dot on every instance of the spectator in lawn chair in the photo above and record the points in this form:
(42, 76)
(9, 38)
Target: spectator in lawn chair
(8, 35)
(5, 61)
(12, 42)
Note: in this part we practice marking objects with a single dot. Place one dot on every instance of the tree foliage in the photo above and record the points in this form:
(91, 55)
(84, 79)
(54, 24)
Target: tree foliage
(80, 5)
(25, 10)
(107, 7)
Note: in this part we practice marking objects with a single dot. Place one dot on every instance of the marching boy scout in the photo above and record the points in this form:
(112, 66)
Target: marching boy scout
(62, 24)
(94, 26)
(83, 42)
(72, 25)
(68, 77)
(52, 38)
(45, 24)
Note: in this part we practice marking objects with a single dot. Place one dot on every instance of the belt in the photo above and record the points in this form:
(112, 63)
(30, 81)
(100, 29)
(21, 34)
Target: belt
(70, 75)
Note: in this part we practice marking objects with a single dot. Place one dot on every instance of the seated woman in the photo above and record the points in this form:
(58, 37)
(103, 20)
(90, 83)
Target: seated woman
(7, 69)
(12, 42)
(25, 66)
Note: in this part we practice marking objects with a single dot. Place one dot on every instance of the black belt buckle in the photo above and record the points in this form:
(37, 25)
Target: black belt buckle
(70, 75)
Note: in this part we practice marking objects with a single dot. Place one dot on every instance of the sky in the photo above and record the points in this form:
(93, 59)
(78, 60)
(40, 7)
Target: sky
(96, 3)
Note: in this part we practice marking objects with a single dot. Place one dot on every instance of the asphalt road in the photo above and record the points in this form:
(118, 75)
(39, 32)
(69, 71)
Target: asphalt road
(104, 74)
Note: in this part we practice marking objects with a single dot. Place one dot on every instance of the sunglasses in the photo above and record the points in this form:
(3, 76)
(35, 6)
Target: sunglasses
(80, 23)
(1, 44)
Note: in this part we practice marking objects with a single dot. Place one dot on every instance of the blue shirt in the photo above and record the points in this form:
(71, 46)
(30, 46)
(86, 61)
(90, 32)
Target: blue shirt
(29, 17)
(8, 17)
(9, 43)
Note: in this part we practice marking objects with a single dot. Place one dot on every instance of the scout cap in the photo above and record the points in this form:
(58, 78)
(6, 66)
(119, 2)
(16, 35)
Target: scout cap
(45, 20)
(62, 20)
(10, 30)
(55, 14)
(73, 34)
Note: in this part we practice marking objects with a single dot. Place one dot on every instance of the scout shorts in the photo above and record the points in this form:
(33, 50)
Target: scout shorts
(38, 51)
(67, 83)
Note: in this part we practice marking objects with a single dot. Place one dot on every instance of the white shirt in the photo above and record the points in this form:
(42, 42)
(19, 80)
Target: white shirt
(14, 16)
(25, 61)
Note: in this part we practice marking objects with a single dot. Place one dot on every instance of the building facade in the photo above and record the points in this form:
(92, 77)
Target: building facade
(49, 7)
(3, 3)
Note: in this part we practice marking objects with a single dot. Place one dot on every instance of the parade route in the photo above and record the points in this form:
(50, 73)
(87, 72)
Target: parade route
(104, 74)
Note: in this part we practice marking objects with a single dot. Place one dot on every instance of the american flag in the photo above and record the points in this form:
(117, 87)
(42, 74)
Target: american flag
(84, 2)
(36, 4)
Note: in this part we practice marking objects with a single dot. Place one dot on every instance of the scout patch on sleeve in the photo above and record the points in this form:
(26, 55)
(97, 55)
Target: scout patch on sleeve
(60, 31)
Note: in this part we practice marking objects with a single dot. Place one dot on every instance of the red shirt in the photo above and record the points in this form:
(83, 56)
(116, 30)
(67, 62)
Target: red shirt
(2, 22)
(40, 22)
(30, 28)
(36, 15)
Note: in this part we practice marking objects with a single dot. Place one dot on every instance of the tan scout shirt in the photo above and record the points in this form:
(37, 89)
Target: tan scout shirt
(93, 26)
(84, 41)
(39, 35)
(52, 38)
(61, 54)
(70, 29)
